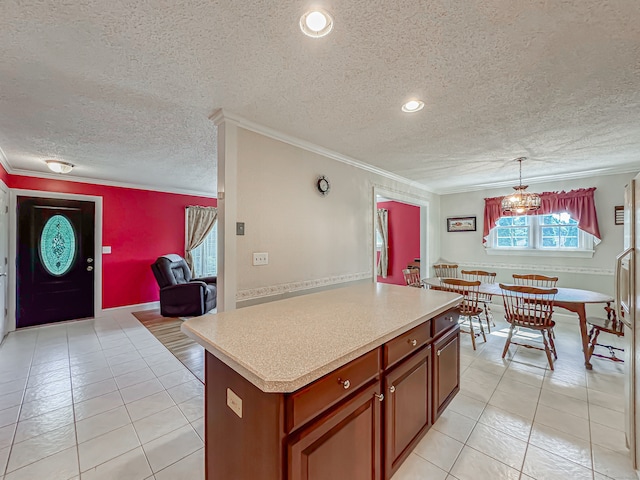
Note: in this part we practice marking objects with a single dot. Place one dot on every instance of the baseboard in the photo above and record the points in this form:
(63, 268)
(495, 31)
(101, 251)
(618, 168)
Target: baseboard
(133, 308)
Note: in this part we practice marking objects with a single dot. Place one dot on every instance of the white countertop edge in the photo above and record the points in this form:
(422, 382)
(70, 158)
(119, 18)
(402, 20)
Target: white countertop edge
(289, 386)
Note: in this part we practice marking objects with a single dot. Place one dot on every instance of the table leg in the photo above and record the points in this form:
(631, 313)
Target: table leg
(579, 308)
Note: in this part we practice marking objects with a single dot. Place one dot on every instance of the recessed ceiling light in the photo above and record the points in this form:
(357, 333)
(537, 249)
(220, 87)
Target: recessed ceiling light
(59, 166)
(412, 106)
(316, 23)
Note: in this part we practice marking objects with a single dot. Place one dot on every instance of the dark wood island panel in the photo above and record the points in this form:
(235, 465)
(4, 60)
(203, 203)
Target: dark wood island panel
(360, 421)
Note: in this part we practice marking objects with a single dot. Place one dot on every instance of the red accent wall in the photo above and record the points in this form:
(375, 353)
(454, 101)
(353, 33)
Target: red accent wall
(139, 225)
(404, 239)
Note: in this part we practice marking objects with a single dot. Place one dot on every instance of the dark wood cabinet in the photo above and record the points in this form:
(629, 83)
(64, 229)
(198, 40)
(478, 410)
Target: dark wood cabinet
(407, 408)
(342, 444)
(358, 422)
(446, 370)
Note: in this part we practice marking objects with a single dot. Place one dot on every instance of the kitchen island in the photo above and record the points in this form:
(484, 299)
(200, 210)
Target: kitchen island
(337, 384)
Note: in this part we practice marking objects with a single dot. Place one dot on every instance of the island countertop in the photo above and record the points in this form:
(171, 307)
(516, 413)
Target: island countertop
(284, 345)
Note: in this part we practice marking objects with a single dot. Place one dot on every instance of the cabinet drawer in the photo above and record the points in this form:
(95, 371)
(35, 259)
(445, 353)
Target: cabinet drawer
(309, 401)
(445, 321)
(411, 341)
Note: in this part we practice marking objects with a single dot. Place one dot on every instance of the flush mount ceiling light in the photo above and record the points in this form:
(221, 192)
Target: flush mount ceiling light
(412, 106)
(59, 166)
(316, 23)
(521, 201)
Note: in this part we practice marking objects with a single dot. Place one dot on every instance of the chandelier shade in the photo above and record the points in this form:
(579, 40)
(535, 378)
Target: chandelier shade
(520, 201)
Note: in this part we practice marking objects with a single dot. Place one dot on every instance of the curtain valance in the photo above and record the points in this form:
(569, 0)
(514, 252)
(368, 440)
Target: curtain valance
(580, 204)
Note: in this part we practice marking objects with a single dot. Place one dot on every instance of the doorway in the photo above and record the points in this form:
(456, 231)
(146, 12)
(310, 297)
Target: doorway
(416, 211)
(55, 260)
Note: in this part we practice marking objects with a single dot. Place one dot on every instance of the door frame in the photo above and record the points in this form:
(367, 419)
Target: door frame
(425, 212)
(5, 189)
(13, 227)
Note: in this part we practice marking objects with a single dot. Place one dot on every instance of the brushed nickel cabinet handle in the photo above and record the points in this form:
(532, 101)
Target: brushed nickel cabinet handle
(392, 389)
(438, 352)
(413, 342)
(379, 396)
(89, 268)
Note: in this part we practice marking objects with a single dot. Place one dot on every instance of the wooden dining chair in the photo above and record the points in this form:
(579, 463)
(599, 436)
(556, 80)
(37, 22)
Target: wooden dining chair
(534, 280)
(608, 324)
(469, 307)
(531, 308)
(412, 277)
(484, 298)
(446, 270)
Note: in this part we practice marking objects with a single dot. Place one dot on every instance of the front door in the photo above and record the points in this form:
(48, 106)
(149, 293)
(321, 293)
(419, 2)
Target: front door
(55, 260)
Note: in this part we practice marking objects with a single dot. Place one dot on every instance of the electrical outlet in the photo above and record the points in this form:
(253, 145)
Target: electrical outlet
(260, 258)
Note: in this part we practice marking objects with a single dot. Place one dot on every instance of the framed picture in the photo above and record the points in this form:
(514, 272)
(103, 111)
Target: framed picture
(619, 214)
(461, 224)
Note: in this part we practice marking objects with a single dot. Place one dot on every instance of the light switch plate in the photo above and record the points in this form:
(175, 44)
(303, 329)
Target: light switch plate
(239, 228)
(106, 250)
(234, 402)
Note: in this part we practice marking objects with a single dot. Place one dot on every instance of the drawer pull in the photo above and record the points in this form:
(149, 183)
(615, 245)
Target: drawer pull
(438, 352)
(413, 342)
(392, 389)
(345, 383)
(450, 319)
(379, 396)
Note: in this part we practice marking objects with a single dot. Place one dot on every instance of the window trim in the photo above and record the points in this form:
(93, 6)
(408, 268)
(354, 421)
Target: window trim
(585, 239)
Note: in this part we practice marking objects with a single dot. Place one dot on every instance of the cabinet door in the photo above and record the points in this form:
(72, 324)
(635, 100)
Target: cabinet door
(345, 443)
(407, 407)
(446, 371)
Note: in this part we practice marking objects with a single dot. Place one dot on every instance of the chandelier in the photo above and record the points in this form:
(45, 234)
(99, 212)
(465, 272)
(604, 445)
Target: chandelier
(521, 201)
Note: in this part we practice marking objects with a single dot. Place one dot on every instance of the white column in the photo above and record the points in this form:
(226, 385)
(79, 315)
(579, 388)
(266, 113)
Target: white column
(227, 210)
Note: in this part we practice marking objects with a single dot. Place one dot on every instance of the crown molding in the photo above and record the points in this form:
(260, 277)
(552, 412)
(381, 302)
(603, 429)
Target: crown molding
(220, 116)
(98, 181)
(615, 170)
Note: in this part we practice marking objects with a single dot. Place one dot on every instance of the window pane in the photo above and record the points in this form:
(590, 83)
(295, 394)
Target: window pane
(205, 258)
(520, 220)
(505, 221)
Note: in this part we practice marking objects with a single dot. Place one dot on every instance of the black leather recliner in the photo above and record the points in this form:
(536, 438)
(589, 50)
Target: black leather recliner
(181, 295)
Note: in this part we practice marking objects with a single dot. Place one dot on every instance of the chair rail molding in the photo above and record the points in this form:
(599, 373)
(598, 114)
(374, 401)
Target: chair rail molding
(539, 268)
(283, 288)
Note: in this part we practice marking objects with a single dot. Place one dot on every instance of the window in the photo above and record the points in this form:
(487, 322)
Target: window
(205, 255)
(556, 233)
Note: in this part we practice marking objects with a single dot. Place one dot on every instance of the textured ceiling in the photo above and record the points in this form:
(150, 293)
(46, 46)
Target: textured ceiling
(124, 89)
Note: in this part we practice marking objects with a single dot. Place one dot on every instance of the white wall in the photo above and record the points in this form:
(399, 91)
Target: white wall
(312, 241)
(594, 273)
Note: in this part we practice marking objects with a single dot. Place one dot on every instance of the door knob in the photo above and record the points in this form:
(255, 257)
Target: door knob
(89, 268)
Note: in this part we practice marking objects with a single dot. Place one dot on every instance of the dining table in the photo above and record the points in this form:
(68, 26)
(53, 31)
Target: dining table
(571, 299)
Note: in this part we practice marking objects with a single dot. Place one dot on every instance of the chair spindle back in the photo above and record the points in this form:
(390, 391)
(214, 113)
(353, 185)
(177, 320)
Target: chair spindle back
(528, 306)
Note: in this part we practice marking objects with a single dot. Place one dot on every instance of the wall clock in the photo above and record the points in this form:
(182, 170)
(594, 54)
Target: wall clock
(323, 185)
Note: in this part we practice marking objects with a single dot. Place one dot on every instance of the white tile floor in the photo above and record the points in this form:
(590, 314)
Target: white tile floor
(517, 419)
(97, 399)
(103, 399)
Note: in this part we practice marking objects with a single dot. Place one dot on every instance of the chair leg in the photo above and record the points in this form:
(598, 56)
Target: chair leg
(547, 349)
(486, 318)
(508, 342)
(484, 337)
(473, 334)
(593, 341)
(552, 343)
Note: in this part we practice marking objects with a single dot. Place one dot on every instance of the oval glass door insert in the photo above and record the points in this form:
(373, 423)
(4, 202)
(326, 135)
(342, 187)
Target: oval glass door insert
(58, 245)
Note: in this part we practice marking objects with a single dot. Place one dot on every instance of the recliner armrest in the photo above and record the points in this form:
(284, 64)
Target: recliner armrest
(206, 280)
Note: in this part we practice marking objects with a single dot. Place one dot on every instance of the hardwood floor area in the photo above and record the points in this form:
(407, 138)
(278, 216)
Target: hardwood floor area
(167, 330)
